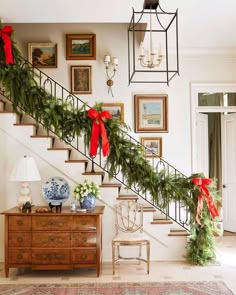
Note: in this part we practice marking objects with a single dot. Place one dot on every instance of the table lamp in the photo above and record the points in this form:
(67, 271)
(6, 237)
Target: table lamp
(24, 171)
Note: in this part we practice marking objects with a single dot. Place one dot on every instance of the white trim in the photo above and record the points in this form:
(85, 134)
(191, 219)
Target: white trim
(200, 88)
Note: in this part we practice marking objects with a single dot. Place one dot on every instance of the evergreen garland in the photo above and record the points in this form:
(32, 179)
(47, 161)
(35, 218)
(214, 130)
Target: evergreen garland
(18, 81)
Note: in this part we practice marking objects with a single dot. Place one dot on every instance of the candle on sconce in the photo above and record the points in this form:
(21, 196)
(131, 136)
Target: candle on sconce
(115, 61)
(107, 59)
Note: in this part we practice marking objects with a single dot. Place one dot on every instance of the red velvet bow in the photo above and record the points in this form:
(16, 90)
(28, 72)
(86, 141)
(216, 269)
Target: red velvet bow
(204, 193)
(98, 128)
(5, 35)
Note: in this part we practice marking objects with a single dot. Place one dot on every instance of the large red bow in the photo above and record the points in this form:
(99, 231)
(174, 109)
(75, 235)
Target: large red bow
(204, 193)
(98, 128)
(5, 35)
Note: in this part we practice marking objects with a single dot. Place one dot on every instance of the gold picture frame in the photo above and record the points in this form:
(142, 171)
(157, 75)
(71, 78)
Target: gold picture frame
(81, 81)
(151, 113)
(80, 46)
(43, 55)
(116, 110)
(153, 147)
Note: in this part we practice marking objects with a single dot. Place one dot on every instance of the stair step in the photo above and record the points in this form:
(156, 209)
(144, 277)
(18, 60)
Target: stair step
(149, 209)
(6, 112)
(127, 197)
(76, 161)
(41, 136)
(178, 232)
(111, 185)
(59, 149)
(162, 221)
(25, 124)
(94, 173)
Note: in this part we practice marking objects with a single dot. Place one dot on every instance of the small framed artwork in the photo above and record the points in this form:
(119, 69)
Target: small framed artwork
(150, 113)
(153, 146)
(43, 55)
(115, 109)
(80, 46)
(81, 82)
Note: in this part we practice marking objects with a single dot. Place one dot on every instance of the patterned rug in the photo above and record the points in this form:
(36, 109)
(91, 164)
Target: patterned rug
(157, 288)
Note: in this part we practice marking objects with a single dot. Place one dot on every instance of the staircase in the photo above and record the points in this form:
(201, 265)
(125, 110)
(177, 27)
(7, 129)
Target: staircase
(57, 158)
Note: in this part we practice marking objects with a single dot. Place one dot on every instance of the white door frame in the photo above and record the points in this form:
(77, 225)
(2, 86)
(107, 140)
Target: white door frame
(197, 88)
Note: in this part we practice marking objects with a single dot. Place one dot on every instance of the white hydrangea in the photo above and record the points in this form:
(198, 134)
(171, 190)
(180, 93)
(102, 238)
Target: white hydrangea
(83, 189)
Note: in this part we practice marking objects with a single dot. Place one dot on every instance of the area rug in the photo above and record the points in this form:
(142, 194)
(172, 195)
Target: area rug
(145, 288)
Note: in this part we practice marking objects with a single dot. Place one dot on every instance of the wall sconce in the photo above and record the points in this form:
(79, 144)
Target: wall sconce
(25, 170)
(110, 62)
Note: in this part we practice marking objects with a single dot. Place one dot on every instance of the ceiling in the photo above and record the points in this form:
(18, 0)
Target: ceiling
(207, 26)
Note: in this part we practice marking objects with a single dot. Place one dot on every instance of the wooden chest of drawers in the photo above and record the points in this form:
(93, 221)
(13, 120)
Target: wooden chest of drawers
(62, 240)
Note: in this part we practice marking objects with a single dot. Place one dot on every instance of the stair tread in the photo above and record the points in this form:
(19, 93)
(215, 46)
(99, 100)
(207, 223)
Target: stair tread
(178, 232)
(76, 161)
(59, 149)
(149, 209)
(25, 124)
(6, 112)
(111, 185)
(127, 197)
(162, 221)
(94, 173)
(41, 136)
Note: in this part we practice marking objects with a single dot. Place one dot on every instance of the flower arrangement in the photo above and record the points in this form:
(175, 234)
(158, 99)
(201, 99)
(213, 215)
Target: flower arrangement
(86, 188)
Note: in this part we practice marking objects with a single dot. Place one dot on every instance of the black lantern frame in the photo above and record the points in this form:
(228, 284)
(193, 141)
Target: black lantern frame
(167, 30)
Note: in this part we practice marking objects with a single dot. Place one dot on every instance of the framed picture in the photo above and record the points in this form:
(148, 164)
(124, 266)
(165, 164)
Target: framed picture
(150, 113)
(81, 79)
(43, 55)
(81, 46)
(153, 145)
(116, 110)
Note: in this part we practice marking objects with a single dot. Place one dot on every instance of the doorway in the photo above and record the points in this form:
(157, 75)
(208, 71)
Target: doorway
(214, 141)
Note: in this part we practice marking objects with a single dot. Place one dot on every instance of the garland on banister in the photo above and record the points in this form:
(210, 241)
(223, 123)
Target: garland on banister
(196, 193)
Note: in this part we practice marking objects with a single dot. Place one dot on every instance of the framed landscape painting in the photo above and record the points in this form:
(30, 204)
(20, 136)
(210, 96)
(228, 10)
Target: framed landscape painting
(80, 46)
(43, 55)
(153, 146)
(81, 82)
(150, 113)
(115, 109)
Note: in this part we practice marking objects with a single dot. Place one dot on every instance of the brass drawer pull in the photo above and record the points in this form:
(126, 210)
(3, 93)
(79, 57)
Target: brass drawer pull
(84, 222)
(84, 239)
(19, 256)
(19, 239)
(19, 222)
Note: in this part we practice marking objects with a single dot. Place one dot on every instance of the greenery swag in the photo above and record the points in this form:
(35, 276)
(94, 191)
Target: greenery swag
(18, 81)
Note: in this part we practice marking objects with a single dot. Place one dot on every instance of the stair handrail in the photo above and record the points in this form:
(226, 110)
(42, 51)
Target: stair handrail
(173, 211)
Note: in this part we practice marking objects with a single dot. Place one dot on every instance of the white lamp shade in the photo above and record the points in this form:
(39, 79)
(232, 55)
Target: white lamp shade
(25, 170)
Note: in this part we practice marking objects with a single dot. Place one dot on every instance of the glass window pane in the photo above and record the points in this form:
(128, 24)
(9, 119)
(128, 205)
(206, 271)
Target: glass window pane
(216, 99)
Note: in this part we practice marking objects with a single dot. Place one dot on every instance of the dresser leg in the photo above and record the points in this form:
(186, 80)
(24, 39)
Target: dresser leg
(6, 271)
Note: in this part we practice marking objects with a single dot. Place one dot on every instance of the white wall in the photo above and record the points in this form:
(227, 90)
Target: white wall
(112, 39)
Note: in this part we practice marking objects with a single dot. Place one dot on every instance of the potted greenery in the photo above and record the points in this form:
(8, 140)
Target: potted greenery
(86, 193)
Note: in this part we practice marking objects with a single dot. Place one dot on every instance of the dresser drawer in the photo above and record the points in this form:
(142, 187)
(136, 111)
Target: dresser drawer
(59, 223)
(19, 256)
(85, 222)
(51, 240)
(50, 256)
(84, 239)
(19, 239)
(19, 223)
(84, 256)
